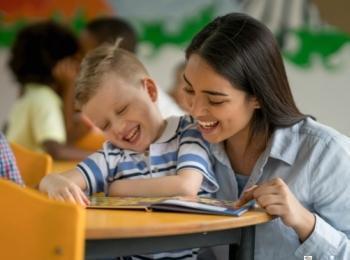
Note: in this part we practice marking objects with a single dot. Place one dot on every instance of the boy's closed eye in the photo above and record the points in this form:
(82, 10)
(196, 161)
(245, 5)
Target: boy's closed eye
(121, 110)
(106, 126)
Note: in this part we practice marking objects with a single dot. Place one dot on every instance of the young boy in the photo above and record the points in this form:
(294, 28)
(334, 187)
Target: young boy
(145, 155)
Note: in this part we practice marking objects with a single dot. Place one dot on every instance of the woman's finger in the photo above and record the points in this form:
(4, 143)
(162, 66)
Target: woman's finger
(248, 194)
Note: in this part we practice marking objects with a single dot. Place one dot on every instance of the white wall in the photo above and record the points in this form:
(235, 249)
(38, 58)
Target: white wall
(8, 87)
(324, 93)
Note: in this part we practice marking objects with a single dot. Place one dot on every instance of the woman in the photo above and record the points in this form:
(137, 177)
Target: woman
(294, 167)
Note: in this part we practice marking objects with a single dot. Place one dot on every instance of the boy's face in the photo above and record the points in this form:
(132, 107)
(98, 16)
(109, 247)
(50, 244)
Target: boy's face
(127, 114)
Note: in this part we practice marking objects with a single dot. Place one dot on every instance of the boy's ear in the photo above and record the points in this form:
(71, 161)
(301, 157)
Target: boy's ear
(150, 86)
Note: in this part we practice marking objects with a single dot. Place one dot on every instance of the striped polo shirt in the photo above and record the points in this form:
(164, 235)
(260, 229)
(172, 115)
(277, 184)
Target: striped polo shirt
(180, 146)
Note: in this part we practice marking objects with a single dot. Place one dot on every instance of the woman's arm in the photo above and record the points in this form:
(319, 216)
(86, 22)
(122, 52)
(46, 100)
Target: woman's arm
(324, 233)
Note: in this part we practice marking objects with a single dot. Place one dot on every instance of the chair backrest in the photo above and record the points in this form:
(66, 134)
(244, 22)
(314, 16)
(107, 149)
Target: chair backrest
(32, 226)
(92, 141)
(32, 165)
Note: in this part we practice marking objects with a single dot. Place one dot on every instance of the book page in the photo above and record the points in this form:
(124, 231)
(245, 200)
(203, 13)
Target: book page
(202, 205)
(122, 202)
(176, 204)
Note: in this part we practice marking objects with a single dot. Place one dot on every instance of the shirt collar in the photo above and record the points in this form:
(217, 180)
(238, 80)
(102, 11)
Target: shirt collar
(172, 124)
(284, 143)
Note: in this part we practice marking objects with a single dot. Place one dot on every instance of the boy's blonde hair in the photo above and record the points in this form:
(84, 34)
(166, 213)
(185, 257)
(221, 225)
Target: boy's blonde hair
(101, 61)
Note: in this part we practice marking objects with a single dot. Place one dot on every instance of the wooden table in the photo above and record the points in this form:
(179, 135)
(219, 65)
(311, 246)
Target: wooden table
(111, 233)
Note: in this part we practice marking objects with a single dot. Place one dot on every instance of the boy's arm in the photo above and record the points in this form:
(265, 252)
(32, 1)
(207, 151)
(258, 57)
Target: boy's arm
(66, 186)
(186, 183)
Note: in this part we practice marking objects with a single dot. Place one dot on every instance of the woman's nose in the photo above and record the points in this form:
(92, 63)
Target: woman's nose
(196, 107)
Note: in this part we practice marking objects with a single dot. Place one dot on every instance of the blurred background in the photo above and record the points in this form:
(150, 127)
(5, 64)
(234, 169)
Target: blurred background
(314, 36)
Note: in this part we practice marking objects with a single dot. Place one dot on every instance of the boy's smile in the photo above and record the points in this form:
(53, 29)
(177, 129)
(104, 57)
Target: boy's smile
(132, 135)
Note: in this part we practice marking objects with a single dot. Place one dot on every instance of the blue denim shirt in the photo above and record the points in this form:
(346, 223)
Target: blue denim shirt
(314, 160)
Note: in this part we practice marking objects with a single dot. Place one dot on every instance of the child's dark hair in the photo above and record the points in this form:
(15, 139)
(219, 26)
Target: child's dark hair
(38, 48)
(108, 29)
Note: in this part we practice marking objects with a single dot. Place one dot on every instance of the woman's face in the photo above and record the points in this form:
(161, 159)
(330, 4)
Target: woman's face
(221, 110)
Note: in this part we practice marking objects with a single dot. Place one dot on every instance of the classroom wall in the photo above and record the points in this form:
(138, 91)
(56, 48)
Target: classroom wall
(317, 56)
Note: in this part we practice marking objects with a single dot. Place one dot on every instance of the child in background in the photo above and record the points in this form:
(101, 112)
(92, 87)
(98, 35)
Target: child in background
(145, 155)
(43, 60)
(107, 30)
(177, 89)
(8, 167)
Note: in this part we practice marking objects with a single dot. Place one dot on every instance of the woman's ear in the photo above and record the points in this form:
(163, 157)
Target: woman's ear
(255, 102)
(151, 88)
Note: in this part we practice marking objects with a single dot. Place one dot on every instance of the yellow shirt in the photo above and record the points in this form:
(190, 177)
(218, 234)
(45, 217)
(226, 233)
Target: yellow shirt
(36, 117)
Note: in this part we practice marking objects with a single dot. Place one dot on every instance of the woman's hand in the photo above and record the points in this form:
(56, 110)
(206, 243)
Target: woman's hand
(276, 198)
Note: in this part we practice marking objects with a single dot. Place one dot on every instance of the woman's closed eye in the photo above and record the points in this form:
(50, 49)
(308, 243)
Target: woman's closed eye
(216, 102)
(188, 90)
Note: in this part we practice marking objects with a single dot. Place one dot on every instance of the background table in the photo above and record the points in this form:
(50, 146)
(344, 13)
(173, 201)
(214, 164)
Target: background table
(61, 166)
(111, 233)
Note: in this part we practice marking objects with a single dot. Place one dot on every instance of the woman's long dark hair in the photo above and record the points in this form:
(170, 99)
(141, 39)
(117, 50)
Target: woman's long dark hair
(245, 52)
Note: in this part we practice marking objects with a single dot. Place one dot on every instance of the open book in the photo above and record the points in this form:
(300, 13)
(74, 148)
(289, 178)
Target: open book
(176, 204)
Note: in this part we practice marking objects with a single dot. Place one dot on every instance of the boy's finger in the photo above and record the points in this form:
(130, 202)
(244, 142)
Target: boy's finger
(69, 196)
(247, 196)
(85, 198)
(78, 196)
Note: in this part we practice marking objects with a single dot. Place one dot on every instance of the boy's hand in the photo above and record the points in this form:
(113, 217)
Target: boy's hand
(60, 188)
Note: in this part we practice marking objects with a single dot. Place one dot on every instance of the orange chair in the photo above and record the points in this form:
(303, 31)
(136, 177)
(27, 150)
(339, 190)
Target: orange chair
(92, 141)
(32, 165)
(35, 227)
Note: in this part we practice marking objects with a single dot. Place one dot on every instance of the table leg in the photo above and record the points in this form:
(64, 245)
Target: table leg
(244, 251)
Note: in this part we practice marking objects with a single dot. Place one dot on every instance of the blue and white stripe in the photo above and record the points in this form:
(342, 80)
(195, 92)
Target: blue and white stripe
(180, 146)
